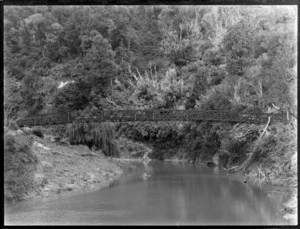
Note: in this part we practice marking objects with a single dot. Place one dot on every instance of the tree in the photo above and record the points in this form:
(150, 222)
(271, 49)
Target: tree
(100, 68)
(272, 74)
(239, 46)
(40, 28)
(31, 93)
(175, 28)
(73, 97)
(12, 97)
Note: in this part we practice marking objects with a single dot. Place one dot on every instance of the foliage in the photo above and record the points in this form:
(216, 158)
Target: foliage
(20, 164)
(271, 154)
(56, 130)
(31, 94)
(238, 144)
(238, 44)
(169, 56)
(154, 90)
(72, 97)
(12, 99)
(101, 136)
(159, 133)
(275, 151)
(200, 140)
(129, 148)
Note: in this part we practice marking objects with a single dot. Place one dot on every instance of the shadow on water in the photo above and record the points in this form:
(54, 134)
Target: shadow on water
(169, 193)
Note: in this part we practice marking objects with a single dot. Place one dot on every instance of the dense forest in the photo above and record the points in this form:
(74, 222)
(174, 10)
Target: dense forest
(154, 56)
(83, 59)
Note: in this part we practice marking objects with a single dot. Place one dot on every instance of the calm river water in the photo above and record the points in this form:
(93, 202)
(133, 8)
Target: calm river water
(174, 194)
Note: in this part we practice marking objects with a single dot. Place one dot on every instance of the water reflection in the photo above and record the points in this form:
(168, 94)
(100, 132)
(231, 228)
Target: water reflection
(175, 193)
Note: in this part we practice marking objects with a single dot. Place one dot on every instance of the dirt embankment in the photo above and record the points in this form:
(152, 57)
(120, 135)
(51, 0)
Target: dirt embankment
(61, 168)
(67, 168)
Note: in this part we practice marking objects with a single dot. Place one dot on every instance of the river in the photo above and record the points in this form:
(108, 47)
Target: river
(171, 194)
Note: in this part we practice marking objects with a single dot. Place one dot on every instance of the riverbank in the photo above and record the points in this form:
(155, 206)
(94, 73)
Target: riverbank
(61, 169)
(266, 154)
(288, 211)
(57, 168)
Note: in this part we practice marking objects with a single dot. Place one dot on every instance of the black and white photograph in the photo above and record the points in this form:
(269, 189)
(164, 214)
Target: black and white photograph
(150, 115)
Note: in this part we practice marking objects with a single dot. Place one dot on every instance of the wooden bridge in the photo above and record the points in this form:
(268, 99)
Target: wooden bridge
(155, 115)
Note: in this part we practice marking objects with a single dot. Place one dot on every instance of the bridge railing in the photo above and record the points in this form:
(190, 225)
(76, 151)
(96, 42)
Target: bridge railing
(155, 115)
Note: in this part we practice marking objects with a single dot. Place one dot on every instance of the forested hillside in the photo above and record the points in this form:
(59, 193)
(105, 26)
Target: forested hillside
(148, 57)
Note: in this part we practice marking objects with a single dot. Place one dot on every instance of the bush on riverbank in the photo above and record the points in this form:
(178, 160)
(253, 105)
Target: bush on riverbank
(164, 137)
(19, 167)
(237, 144)
(153, 132)
(55, 130)
(200, 141)
(269, 156)
(97, 135)
(275, 153)
(131, 149)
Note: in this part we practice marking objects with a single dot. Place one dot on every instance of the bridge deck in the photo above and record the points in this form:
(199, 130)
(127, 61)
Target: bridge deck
(155, 115)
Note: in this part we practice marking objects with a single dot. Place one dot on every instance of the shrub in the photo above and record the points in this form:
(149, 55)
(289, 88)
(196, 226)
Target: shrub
(159, 133)
(19, 167)
(270, 156)
(102, 136)
(56, 130)
(200, 140)
(131, 148)
(275, 151)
